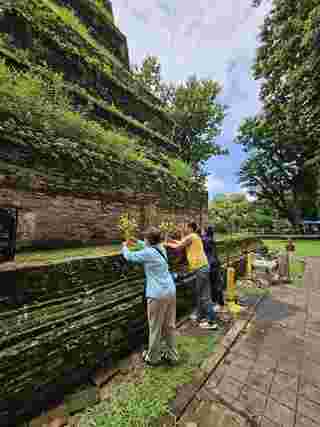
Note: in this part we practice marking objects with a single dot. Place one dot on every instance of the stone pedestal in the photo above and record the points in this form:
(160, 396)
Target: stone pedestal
(283, 266)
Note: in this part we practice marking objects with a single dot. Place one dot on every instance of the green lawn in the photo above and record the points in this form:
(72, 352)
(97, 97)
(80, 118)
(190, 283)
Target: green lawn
(223, 236)
(141, 402)
(303, 247)
(297, 268)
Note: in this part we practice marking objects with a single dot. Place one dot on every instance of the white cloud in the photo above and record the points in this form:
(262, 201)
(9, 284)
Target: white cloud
(205, 33)
(246, 192)
(215, 184)
(211, 38)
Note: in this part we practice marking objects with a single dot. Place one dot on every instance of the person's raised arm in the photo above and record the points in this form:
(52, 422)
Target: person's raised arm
(138, 257)
(180, 245)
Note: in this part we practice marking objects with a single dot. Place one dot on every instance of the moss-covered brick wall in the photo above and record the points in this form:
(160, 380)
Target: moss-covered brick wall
(58, 322)
(36, 31)
(98, 16)
(110, 152)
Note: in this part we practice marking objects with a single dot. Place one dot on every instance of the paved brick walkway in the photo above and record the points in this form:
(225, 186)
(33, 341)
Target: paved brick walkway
(272, 373)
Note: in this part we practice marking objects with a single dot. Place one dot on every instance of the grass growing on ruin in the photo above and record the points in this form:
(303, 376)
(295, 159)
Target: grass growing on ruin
(59, 255)
(71, 20)
(142, 403)
(49, 256)
(102, 9)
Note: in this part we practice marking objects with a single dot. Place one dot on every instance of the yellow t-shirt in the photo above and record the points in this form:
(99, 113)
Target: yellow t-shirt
(195, 253)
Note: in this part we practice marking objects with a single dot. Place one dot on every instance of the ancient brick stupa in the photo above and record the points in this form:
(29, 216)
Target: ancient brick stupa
(68, 189)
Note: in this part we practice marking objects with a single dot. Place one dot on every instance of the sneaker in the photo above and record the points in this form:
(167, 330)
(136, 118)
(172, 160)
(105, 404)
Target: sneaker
(207, 325)
(165, 358)
(193, 316)
(147, 361)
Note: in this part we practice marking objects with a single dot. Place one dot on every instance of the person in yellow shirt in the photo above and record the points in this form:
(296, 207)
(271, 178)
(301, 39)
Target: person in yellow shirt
(198, 263)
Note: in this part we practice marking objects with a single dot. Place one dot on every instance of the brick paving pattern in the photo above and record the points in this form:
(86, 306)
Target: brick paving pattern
(272, 373)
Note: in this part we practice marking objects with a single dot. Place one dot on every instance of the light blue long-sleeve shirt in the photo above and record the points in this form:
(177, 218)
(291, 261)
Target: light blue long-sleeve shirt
(159, 280)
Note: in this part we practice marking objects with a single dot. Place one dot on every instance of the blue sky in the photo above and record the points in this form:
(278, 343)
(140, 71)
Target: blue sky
(212, 39)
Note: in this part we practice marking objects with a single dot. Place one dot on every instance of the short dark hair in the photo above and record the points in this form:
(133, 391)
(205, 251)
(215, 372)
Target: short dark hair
(193, 226)
(153, 235)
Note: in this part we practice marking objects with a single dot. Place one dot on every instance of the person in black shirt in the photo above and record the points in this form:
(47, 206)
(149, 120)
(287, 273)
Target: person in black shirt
(215, 273)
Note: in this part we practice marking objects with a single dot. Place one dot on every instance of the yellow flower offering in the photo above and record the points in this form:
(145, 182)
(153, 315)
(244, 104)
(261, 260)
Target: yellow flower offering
(127, 226)
(167, 227)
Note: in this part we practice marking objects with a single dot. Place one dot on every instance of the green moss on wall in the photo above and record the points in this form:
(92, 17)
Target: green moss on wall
(59, 26)
(97, 16)
(23, 57)
(116, 117)
(100, 5)
(72, 315)
(42, 133)
(83, 152)
(63, 319)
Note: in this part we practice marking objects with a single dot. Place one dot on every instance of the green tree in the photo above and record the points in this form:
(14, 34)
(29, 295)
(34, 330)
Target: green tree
(194, 108)
(149, 74)
(275, 172)
(262, 220)
(199, 118)
(262, 214)
(229, 212)
(235, 212)
(288, 65)
(282, 145)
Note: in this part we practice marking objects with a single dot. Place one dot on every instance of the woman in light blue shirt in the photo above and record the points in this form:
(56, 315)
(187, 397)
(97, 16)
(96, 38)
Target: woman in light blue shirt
(161, 297)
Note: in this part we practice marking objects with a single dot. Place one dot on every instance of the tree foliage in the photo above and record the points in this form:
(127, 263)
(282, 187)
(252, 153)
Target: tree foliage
(281, 142)
(288, 64)
(193, 106)
(149, 74)
(229, 212)
(275, 172)
(235, 212)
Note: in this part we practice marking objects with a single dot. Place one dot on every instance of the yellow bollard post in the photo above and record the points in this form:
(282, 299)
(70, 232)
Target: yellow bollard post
(231, 285)
(233, 307)
(250, 263)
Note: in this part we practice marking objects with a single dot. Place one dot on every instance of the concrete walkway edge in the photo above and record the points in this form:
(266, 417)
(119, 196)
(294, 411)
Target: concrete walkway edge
(208, 367)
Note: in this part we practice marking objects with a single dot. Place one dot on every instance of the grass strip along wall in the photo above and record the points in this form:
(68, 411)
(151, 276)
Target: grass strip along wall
(59, 322)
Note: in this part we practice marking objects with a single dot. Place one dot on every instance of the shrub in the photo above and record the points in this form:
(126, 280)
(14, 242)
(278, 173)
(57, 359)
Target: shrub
(180, 168)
